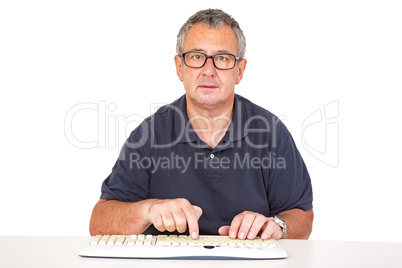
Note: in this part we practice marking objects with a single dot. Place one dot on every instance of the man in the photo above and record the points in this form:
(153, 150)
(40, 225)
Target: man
(211, 162)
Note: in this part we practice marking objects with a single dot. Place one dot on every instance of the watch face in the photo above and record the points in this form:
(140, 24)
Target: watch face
(279, 218)
(280, 222)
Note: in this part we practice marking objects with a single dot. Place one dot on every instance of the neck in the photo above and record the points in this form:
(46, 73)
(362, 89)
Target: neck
(210, 123)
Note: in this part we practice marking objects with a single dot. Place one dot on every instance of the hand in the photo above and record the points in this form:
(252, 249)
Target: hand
(175, 214)
(250, 224)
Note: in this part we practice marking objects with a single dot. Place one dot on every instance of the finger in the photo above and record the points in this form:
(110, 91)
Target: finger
(235, 225)
(224, 230)
(155, 215)
(168, 221)
(246, 224)
(198, 211)
(269, 230)
(258, 224)
(192, 220)
(158, 223)
(180, 220)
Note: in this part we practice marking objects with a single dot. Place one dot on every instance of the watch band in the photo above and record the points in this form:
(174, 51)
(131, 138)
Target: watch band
(282, 223)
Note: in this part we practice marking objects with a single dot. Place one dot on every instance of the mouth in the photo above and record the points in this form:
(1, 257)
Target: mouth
(208, 86)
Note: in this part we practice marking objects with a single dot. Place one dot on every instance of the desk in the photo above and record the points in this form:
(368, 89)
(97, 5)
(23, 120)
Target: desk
(32, 251)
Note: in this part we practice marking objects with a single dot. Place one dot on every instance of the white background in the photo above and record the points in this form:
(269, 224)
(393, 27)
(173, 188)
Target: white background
(117, 57)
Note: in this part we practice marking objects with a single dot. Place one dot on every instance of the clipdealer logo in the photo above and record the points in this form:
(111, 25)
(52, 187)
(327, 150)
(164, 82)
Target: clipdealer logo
(319, 131)
(320, 134)
(112, 128)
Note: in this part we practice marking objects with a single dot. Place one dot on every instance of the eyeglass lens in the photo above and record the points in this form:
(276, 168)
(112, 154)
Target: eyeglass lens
(222, 61)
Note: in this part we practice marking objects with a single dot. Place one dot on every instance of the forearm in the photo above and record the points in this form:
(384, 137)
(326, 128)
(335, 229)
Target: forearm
(117, 217)
(299, 223)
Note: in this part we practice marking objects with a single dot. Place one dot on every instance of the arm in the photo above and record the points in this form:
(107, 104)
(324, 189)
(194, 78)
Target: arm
(299, 223)
(117, 217)
(250, 224)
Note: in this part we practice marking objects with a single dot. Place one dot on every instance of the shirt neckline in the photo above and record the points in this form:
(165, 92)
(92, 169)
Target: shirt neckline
(233, 133)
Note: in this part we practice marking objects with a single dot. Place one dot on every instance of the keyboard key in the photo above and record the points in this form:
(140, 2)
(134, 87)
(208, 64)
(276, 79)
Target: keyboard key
(163, 240)
(112, 240)
(120, 240)
(148, 236)
(104, 240)
(141, 237)
(95, 240)
(139, 242)
(131, 241)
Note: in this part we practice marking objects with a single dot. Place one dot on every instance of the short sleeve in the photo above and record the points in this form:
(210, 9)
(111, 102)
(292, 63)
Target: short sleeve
(289, 184)
(130, 177)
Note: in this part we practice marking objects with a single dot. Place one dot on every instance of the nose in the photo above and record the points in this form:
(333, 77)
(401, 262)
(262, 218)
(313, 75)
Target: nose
(209, 68)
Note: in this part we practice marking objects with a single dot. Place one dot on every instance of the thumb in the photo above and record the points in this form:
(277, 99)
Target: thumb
(224, 230)
(198, 210)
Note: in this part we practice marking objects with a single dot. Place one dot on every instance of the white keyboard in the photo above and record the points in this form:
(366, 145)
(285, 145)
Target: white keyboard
(181, 247)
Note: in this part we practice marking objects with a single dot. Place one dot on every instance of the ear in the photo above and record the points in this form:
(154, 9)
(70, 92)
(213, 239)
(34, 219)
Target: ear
(242, 68)
(179, 71)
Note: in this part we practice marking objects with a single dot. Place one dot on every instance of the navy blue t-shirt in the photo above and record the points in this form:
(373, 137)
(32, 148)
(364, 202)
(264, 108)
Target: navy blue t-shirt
(255, 167)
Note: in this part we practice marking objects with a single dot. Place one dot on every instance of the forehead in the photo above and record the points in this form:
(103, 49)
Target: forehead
(210, 40)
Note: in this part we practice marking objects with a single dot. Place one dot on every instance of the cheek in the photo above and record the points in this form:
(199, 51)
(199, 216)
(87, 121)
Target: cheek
(229, 79)
(189, 78)
(235, 76)
(188, 83)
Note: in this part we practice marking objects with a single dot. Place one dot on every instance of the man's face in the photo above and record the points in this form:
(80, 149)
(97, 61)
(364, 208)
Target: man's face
(209, 86)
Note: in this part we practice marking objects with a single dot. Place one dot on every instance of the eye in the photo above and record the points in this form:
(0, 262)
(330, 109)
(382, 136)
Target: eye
(222, 58)
(196, 57)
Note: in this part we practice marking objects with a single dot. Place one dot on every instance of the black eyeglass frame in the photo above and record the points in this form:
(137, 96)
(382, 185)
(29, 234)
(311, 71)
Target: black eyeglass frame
(237, 59)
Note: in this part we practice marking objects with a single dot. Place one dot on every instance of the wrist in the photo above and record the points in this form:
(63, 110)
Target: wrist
(140, 213)
(282, 225)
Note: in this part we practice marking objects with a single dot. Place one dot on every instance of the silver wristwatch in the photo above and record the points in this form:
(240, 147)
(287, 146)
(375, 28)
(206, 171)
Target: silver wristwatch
(281, 224)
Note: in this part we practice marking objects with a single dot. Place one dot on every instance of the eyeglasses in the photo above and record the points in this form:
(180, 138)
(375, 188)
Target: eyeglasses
(222, 61)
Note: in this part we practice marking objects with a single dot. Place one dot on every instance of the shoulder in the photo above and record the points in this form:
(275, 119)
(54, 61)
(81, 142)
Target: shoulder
(259, 117)
(165, 120)
(168, 112)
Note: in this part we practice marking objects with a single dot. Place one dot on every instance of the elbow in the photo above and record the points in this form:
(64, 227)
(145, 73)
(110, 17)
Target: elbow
(93, 228)
(95, 221)
(309, 226)
(307, 234)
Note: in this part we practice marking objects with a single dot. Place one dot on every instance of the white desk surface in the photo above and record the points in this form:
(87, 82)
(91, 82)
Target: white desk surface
(55, 251)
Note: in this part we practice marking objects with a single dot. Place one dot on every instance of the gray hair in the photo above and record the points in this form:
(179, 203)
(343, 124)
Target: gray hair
(214, 18)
